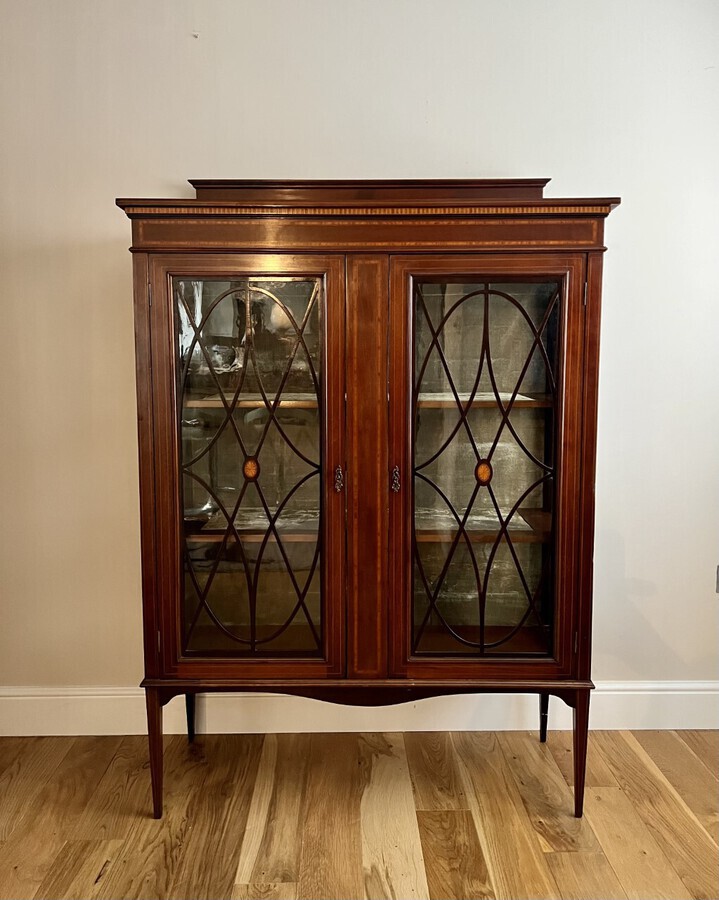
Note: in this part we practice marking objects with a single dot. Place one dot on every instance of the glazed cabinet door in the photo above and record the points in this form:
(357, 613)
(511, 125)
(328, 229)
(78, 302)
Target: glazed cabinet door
(248, 409)
(485, 431)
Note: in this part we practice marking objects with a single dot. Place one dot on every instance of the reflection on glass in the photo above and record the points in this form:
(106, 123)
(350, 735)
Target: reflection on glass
(485, 372)
(249, 364)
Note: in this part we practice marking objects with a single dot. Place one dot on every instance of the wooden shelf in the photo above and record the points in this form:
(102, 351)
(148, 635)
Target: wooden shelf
(446, 400)
(478, 537)
(252, 401)
(529, 526)
(295, 640)
(530, 640)
(534, 527)
(252, 525)
(251, 537)
(539, 520)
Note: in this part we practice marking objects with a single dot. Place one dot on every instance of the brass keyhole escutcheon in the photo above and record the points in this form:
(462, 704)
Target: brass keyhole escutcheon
(395, 480)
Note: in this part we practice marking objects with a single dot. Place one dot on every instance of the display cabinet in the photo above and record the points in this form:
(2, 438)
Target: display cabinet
(367, 416)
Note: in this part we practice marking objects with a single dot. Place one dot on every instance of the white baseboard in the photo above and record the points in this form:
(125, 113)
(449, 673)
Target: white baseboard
(116, 710)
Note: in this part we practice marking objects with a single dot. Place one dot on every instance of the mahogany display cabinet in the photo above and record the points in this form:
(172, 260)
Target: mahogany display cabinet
(367, 423)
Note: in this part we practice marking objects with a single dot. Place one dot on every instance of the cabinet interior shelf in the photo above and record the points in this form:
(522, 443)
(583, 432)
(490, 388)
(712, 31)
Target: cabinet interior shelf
(252, 537)
(252, 401)
(534, 526)
(485, 400)
(439, 400)
(528, 640)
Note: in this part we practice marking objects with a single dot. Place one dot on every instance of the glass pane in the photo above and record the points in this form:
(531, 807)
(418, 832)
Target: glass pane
(249, 364)
(484, 413)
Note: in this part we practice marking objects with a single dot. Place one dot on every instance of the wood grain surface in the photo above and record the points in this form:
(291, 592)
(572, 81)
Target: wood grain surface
(598, 772)
(545, 794)
(629, 847)
(305, 817)
(697, 784)
(678, 833)
(585, 876)
(453, 856)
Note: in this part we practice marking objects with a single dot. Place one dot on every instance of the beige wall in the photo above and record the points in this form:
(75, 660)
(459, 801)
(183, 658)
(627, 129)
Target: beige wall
(106, 98)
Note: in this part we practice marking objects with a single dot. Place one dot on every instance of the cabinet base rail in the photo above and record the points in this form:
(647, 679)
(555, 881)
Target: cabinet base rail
(574, 694)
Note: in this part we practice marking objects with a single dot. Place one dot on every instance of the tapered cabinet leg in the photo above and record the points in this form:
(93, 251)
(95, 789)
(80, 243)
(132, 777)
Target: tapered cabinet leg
(190, 709)
(581, 734)
(154, 734)
(543, 716)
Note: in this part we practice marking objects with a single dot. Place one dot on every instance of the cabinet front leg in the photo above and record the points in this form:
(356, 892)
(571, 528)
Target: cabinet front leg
(543, 717)
(581, 734)
(190, 710)
(154, 735)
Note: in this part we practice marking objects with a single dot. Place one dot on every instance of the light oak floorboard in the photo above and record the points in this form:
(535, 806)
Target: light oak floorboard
(151, 852)
(705, 744)
(28, 769)
(643, 870)
(43, 828)
(10, 749)
(271, 845)
(547, 798)
(517, 866)
(692, 780)
(392, 860)
(585, 876)
(453, 856)
(331, 860)
(264, 892)
(78, 870)
(123, 792)
(259, 813)
(435, 780)
(207, 866)
(340, 812)
(674, 827)
(598, 772)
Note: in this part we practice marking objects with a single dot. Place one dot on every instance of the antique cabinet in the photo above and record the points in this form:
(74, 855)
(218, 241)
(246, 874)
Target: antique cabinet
(367, 416)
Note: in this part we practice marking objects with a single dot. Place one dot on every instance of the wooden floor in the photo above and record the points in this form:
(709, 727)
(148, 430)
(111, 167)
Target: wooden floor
(341, 816)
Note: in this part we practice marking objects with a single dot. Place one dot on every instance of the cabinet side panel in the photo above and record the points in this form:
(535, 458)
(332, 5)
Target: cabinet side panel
(367, 467)
(143, 370)
(589, 451)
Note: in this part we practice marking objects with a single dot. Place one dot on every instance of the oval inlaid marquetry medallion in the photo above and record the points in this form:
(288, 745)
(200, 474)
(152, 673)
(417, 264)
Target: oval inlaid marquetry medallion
(483, 471)
(251, 469)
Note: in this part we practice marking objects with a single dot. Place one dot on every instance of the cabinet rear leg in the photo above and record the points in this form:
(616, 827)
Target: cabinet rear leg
(543, 716)
(190, 710)
(154, 735)
(581, 734)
